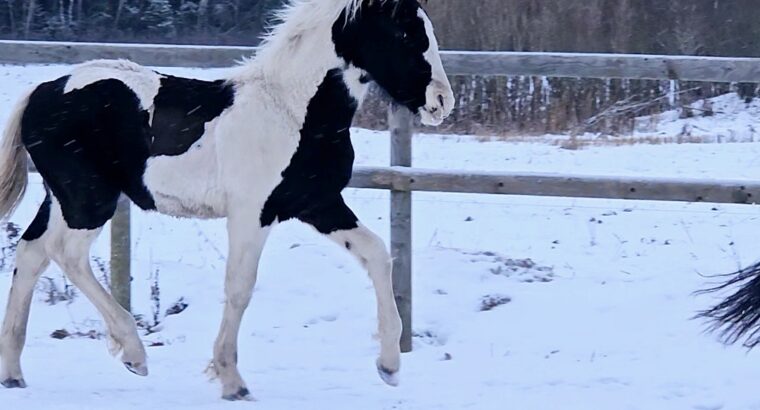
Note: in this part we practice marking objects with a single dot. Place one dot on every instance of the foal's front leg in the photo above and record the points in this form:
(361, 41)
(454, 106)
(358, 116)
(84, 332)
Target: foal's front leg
(246, 240)
(340, 224)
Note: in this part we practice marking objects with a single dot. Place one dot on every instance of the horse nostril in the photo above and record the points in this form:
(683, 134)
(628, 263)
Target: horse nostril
(434, 110)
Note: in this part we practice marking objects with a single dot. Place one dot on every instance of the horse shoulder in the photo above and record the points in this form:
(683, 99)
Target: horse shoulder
(256, 141)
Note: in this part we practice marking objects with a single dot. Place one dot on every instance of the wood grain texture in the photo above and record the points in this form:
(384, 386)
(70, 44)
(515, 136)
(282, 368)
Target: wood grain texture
(400, 121)
(585, 65)
(121, 241)
(576, 186)
(650, 67)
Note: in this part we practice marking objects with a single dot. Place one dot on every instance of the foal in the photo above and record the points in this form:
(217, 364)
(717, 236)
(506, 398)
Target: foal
(268, 144)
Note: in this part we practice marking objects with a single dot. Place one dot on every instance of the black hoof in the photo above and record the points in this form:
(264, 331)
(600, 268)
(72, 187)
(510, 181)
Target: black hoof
(140, 370)
(389, 377)
(14, 384)
(241, 394)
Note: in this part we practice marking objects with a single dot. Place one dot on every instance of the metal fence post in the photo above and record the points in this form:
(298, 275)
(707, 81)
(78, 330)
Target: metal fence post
(121, 278)
(400, 120)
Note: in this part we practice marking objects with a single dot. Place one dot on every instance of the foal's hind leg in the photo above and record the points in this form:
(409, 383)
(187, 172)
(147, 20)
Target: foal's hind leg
(70, 249)
(340, 224)
(31, 261)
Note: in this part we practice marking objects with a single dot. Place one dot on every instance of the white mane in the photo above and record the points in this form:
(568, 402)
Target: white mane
(297, 21)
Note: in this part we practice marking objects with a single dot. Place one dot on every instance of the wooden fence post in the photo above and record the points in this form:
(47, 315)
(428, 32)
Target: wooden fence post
(400, 120)
(121, 278)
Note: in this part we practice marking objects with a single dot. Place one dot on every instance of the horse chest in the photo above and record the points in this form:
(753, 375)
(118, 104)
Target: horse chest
(322, 164)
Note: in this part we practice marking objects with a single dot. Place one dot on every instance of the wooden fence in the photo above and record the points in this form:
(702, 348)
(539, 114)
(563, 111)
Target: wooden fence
(401, 179)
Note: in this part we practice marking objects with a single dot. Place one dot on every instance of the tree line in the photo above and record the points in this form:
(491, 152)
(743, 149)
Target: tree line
(160, 21)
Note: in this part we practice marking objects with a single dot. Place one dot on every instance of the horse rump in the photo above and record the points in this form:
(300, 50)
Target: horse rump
(738, 316)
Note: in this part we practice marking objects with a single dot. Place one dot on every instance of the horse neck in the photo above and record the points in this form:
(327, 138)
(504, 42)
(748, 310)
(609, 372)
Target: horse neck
(293, 65)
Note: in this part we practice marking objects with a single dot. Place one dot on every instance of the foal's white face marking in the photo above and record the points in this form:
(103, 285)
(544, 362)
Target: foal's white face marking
(439, 97)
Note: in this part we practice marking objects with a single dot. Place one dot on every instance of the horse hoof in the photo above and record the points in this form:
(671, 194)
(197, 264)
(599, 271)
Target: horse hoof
(389, 377)
(138, 369)
(242, 394)
(14, 383)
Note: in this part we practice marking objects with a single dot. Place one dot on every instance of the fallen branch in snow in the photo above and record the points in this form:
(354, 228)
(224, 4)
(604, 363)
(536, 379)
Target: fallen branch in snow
(628, 107)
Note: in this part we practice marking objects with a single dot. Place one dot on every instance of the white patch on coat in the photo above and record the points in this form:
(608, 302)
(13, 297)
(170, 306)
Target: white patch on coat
(352, 77)
(143, 81)
(439, 97)
(199, 193)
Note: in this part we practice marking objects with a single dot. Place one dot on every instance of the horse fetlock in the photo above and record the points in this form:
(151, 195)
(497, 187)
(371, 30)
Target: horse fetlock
(114, 346)
(133, 355)
(135, 359)
(233, 385)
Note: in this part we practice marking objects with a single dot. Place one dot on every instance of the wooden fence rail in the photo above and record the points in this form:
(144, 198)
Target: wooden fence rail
(502, 63)
(401, 179)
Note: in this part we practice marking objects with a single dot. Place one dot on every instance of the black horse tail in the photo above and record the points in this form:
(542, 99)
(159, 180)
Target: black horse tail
(738, 316)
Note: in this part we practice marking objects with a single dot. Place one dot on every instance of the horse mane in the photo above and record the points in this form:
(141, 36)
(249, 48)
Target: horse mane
(294, 22)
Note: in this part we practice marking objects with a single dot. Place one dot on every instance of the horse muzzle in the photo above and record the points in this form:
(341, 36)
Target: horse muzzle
(439, 102)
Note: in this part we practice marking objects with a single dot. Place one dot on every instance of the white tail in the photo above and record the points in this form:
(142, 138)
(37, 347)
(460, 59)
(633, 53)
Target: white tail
(13, 161)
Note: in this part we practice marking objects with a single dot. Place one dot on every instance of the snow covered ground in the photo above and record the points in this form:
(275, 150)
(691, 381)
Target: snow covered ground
(732, 120)
(595, 296)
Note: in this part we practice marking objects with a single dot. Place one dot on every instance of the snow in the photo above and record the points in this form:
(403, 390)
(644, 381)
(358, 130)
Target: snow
(599, 320)
(734, 121)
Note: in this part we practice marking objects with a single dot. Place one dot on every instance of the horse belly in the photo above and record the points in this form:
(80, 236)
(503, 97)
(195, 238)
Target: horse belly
(187, 185)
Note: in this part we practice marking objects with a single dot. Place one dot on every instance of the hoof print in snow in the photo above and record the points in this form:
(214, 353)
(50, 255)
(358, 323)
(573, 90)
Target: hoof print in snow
(242, 394)
(491, 302)
(430, 338)
(60, 334)
(523, 270)
(14, 384)
(178, 307)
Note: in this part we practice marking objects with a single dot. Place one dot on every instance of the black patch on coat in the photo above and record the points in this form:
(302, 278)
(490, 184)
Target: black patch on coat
(40, 222)
(388, 40)
(321, 166)
(89, 145)
(183, 106)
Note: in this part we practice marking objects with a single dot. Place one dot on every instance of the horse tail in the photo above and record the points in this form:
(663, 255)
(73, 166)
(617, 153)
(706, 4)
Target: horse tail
(738, 316)
(13, 161)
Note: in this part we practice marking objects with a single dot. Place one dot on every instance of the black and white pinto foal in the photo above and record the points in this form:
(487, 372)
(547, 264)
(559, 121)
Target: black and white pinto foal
(268, 144)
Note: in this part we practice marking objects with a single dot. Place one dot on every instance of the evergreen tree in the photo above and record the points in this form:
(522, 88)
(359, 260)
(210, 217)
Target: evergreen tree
(157, 18)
